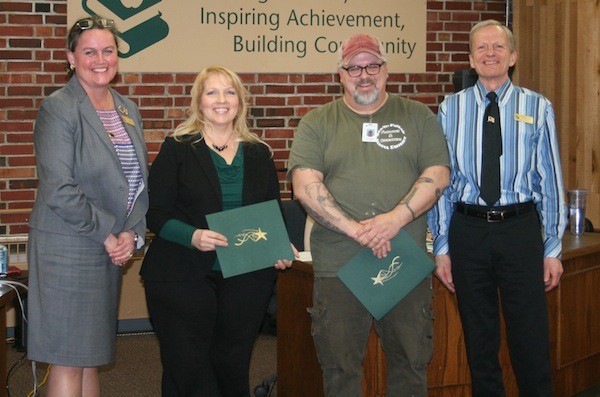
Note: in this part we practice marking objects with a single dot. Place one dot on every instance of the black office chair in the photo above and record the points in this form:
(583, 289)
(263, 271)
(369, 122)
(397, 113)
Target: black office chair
(295, 221)
(295, 218)
(589, 227)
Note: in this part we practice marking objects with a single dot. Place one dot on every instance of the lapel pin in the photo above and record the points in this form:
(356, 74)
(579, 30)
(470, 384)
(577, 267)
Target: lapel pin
(125, 115)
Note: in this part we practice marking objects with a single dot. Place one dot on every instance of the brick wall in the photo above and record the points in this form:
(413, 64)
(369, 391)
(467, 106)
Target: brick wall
(32, 56)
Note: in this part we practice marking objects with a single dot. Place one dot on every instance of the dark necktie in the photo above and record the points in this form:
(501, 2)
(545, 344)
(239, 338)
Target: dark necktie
(492, 149)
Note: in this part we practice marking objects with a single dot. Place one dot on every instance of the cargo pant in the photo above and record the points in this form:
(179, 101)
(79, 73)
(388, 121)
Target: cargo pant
(341, 326)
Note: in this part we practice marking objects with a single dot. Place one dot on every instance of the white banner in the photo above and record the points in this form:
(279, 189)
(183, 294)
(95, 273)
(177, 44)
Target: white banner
(264, 36)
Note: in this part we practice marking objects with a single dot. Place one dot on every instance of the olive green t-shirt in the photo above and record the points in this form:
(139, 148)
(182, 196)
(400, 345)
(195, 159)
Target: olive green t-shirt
(366, 178)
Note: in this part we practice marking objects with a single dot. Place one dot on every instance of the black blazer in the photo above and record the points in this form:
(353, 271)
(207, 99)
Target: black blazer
(183, 185)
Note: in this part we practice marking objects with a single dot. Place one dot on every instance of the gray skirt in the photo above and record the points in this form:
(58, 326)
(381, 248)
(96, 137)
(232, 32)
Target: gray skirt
(72, 302)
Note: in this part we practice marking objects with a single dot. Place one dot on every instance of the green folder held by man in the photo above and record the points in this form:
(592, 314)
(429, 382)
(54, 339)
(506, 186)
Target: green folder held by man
(256, 235)
(379, 284)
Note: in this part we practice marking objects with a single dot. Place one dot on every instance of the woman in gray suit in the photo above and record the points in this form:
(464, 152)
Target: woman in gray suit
(89, 213)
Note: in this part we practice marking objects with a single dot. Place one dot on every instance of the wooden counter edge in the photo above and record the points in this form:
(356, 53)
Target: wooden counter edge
(578, 246)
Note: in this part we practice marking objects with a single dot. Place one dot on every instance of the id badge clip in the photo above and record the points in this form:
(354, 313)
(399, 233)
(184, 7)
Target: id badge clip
(369, 132)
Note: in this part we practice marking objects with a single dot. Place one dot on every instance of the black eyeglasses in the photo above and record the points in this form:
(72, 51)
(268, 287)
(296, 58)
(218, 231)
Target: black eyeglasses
(356, 71)
(89, 23)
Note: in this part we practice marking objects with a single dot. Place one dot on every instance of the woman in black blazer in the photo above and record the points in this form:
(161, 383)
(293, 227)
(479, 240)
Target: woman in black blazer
(206, 325)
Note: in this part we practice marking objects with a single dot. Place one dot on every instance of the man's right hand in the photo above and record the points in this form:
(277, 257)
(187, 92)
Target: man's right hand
(443, 271)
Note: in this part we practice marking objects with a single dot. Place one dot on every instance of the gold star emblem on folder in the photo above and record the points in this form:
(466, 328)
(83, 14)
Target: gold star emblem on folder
(250, 235)
(260, 235)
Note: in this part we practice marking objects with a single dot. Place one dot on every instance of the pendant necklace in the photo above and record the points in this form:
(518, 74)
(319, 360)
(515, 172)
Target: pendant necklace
(222, 147)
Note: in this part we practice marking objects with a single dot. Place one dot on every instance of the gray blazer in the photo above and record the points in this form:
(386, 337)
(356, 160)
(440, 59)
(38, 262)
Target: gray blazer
(82, 190)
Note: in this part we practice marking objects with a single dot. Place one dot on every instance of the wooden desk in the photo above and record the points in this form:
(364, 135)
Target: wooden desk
(574, 310)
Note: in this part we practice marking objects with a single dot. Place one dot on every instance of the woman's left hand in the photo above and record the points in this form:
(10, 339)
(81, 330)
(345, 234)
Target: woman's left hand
(124, 250)
(283, 264)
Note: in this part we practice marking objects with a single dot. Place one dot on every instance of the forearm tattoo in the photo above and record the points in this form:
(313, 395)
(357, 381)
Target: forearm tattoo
(322, 221)
(318, 192)
(406, 200)
(438, 192)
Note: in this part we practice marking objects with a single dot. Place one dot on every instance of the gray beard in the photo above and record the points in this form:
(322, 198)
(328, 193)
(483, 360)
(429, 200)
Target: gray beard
(368, 99)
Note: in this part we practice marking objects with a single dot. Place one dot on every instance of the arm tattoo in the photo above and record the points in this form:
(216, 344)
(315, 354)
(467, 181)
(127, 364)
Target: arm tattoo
(408, 198)
(319, 192)
(414, 216)
(321, 220)
(406, 201)
(424, 179)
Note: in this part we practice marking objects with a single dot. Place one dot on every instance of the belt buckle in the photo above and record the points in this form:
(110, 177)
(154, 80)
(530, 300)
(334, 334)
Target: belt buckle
(494, 216)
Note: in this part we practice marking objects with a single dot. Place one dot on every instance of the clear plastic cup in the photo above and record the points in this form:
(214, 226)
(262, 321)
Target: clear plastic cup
(577, 201)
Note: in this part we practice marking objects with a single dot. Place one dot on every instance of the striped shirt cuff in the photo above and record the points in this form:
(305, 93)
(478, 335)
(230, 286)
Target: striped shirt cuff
(440, 245)
(552, 247)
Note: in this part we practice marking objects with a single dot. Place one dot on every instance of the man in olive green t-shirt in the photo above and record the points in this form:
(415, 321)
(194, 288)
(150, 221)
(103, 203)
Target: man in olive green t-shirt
(364, 167)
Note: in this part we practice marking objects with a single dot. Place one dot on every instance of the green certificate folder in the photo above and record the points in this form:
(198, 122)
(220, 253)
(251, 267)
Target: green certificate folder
(256, 235)
(379, 284)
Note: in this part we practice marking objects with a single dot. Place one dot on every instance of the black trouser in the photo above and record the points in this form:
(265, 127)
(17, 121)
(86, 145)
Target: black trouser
(206, 330)
(505, 258)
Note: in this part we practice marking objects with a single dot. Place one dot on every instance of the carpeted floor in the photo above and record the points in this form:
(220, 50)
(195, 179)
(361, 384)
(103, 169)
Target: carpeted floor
(137, 370)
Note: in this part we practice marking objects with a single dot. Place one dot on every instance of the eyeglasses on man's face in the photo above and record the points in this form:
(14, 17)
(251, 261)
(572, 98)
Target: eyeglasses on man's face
(356, 71)
(89, 23)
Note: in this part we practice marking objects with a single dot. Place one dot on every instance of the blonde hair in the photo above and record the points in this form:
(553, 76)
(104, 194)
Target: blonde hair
(196, 123)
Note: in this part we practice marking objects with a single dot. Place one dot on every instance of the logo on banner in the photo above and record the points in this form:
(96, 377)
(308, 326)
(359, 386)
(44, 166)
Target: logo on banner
(148, 26)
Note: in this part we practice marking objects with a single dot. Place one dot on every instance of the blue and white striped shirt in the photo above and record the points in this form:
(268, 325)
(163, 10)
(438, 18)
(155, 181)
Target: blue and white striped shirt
(529, 166)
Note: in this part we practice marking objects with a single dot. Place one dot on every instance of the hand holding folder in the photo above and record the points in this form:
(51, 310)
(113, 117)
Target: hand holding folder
(256, 235)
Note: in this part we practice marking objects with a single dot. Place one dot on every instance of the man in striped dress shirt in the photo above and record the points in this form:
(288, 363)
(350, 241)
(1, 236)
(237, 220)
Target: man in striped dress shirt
(510, 247)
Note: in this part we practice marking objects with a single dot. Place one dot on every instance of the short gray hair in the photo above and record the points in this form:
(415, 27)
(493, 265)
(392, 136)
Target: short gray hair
(492, 22)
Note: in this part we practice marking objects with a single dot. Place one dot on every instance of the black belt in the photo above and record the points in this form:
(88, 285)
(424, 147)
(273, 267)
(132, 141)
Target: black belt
(494, 214)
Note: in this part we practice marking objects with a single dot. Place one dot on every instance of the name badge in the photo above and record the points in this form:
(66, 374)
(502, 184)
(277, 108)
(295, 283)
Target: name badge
(369, 132)
(524, 118)
(128, 120)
